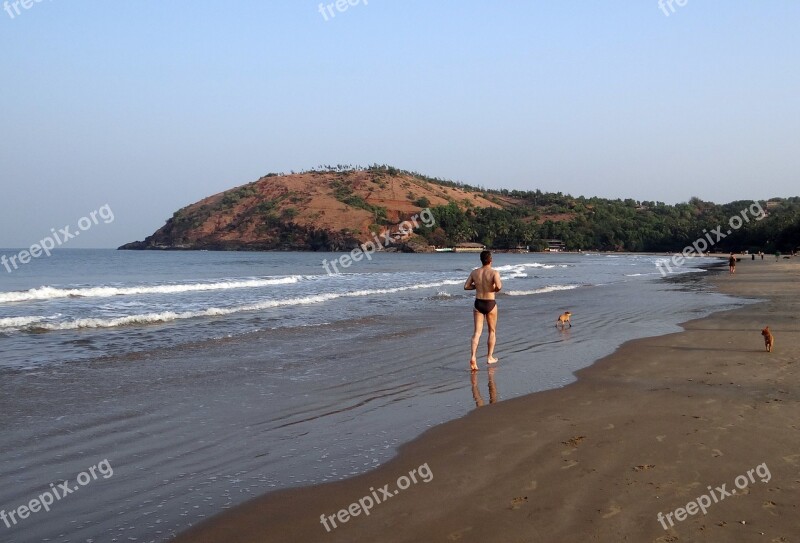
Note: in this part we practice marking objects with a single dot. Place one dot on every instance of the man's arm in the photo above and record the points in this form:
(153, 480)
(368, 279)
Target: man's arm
(498, 284)
(470, 284)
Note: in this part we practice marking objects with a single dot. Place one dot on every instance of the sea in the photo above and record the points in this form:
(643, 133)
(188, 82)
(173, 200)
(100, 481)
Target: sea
(205, 379)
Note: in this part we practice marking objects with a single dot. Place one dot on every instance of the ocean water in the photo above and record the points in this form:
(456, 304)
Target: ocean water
(206, 379)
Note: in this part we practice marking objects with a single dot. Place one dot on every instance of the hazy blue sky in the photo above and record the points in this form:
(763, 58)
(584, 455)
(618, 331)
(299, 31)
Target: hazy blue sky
(149, 106)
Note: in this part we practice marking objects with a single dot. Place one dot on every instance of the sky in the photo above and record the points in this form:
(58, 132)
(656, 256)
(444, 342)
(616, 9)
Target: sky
(145, 107)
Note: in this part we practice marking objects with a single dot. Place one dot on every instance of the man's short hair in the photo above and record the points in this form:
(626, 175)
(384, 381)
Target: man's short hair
(486, 257)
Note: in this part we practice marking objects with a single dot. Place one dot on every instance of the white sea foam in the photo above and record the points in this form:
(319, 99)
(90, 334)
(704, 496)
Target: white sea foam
(169, 316)
(515, 267)
(543, 290)
(51, 293)
(19, 322)
(517, 271)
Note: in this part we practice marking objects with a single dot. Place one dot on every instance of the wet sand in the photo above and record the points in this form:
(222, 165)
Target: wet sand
(645, 430)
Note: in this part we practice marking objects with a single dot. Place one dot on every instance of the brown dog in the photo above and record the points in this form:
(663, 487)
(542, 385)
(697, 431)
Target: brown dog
(563, 320)
(769, 339)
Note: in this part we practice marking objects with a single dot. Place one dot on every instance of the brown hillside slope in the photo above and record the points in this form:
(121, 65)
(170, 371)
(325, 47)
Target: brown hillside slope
(314, 211)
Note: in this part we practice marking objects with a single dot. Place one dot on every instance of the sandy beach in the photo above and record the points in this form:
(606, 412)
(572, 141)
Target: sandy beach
(657, 427)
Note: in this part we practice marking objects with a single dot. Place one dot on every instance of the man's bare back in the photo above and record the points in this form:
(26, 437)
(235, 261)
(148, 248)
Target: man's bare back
(486, 282)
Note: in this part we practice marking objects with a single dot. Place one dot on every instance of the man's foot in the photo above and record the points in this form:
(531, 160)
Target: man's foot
(473, 365)
(492, 360)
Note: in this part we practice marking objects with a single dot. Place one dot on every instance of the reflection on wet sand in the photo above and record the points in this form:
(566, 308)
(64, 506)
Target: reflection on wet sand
(476, 393)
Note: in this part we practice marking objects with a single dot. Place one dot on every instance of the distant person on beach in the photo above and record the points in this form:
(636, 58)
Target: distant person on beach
(486, 282)
(762, 254)
(754, 257)
(732, 264)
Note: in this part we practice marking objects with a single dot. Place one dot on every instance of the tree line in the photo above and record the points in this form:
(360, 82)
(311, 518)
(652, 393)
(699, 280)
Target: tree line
(527, 218)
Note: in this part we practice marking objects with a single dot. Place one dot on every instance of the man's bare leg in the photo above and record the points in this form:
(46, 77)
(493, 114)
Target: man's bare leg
(476, 338)
(491, 320)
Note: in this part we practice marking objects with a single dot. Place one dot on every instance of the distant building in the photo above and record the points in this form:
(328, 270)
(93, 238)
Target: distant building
(555, 245)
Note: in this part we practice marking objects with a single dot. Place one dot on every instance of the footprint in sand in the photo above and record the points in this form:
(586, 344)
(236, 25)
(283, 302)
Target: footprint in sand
(455, 536)
(661, 438)
(613, 510)
(792, 459)
(518, 502)
(716, 453)
(570, 464)
(609, 427)
(573, 441)
(532, 485)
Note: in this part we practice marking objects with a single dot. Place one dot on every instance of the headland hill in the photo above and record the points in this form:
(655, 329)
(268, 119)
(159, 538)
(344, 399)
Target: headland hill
(337, 208)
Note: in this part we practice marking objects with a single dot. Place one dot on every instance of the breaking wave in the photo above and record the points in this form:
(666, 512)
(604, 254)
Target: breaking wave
(543, 290)
(169, 316)
(51, 293)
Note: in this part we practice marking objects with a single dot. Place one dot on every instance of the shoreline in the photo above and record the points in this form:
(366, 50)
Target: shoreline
(554, 465)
